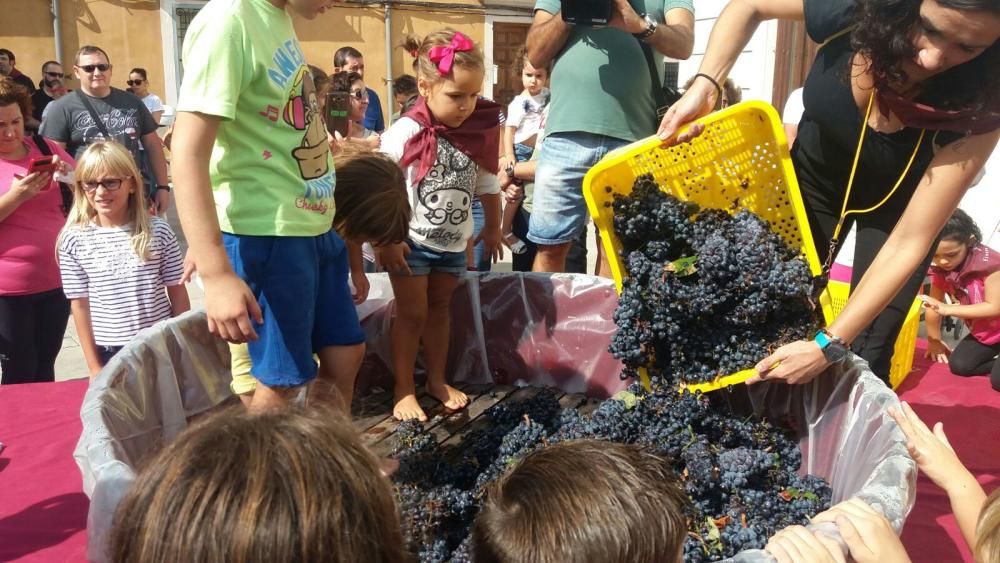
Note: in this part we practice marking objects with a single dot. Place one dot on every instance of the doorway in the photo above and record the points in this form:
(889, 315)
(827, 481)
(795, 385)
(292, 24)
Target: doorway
(508, 39)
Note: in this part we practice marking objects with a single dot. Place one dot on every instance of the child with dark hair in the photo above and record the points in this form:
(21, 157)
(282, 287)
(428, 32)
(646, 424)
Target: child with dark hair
(287, 485)
(585, 501)
(968, 271)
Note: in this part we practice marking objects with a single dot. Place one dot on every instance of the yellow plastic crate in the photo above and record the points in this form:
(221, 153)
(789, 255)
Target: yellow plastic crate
(906, 342)
(741, 161)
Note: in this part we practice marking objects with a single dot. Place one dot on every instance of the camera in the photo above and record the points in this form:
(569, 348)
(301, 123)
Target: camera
(589, 13)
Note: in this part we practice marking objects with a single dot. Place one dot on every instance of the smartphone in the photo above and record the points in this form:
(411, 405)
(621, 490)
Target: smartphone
(588, 13)
(43, 164)
(338, 111)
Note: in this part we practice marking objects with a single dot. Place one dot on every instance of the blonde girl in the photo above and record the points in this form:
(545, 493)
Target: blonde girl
(120, 268)
(447, 145)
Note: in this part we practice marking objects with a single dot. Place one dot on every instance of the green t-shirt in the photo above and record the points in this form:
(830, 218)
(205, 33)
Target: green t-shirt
(271, 169)
(600, 81)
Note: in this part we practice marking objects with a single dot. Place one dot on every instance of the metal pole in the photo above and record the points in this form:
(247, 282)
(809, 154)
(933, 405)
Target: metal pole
(390, 99)
(56, 30)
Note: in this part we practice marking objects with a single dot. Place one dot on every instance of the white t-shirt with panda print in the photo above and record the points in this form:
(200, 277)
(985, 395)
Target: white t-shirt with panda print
(442, 203)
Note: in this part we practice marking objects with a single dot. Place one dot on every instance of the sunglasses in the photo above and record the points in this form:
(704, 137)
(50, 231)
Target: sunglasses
(110, 184)
(361, 95)
(91, 68)
(54, 74)
(134, 82)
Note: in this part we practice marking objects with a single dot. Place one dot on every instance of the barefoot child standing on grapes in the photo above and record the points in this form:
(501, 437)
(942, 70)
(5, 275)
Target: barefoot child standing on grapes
(447, 144)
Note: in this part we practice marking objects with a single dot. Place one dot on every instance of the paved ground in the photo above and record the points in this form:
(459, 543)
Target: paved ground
(71, 365)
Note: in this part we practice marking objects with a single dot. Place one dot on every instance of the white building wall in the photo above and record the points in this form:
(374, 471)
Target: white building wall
(754, 70)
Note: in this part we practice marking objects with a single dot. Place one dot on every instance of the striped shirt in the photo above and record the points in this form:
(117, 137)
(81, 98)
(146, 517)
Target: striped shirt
(126, 295)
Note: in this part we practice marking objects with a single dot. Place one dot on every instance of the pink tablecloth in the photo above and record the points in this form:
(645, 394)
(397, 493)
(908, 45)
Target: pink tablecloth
(43, 511)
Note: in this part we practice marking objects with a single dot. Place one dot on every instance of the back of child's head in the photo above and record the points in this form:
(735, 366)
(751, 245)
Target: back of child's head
(987, 549)
(427, 70)
(109, 159)
(371, 197)
(961, 228)
(320, 77)
(585, 501)
(295, 485)
(404, 84)
(343, 80)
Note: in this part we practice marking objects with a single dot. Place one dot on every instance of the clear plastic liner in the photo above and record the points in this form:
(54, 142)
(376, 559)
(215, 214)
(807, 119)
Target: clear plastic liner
(521, 329)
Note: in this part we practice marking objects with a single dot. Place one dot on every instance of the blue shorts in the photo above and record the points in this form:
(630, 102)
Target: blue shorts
(558, 211)
(522, 152)
(423, 260)
(301, 286)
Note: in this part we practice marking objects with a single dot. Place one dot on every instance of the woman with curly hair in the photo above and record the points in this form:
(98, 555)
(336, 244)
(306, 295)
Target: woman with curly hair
(903, 92)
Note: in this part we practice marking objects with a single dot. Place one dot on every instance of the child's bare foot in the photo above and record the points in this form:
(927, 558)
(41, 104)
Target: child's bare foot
(515, 244)
(407, 408)
(451, 398)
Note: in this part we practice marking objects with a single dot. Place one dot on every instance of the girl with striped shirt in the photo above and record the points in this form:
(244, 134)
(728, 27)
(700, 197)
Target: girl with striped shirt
(121, 269)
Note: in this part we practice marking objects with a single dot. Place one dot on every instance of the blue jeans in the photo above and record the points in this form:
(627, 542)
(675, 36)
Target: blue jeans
(559, 212)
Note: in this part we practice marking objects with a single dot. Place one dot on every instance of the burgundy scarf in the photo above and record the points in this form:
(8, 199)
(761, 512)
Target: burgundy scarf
(478, 137)
(923, 116)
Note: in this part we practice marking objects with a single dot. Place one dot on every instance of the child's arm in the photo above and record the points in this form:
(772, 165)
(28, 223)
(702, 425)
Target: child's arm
(85, 334)
(358, 277)
(988, 309)
(936, 458)
(508, 147)
(228, 301)
(937, 350)
(179, 300)
(490, 235)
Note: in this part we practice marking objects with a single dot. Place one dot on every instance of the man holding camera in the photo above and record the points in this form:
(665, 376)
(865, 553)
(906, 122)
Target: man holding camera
(602, 98)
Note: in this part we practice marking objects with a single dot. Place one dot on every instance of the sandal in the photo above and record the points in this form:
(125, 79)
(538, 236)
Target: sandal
(515, 244)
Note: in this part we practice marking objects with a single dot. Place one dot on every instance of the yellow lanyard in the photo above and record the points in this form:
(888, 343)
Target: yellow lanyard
(850, 183)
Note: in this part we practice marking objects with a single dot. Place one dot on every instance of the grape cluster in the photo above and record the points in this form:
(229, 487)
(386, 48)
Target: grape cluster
(740, 473)
(707, 293)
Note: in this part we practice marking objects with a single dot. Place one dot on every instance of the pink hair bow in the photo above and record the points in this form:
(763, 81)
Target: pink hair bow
(444, 55)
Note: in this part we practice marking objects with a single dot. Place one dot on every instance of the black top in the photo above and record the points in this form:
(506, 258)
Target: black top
(38, 102)
(831, 123)
(22, 79)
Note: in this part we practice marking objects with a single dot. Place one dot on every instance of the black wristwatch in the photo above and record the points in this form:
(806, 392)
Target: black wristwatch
(163, 188)
(834, 348)
(650, 27)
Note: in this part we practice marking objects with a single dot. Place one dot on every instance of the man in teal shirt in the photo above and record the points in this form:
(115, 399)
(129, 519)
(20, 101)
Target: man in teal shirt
(602, 99)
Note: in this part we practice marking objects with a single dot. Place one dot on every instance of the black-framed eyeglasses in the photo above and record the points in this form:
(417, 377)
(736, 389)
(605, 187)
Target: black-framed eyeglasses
(91, 68)
(110, 184)
(360, 95)
(134, 82)
(54, 74)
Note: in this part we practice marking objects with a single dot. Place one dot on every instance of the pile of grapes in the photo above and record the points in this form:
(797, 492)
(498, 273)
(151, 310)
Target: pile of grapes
(741, 474)
(707, 294)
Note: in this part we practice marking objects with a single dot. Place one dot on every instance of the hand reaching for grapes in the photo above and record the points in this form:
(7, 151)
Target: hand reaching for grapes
(867, 533)
(796, 544)
(798, 362)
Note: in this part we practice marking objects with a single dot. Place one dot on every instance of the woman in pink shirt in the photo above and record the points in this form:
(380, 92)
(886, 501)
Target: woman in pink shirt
(969, 272)
(33, 309)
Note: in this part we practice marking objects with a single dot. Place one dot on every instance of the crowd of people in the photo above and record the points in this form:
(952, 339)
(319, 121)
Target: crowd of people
(284, 217)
